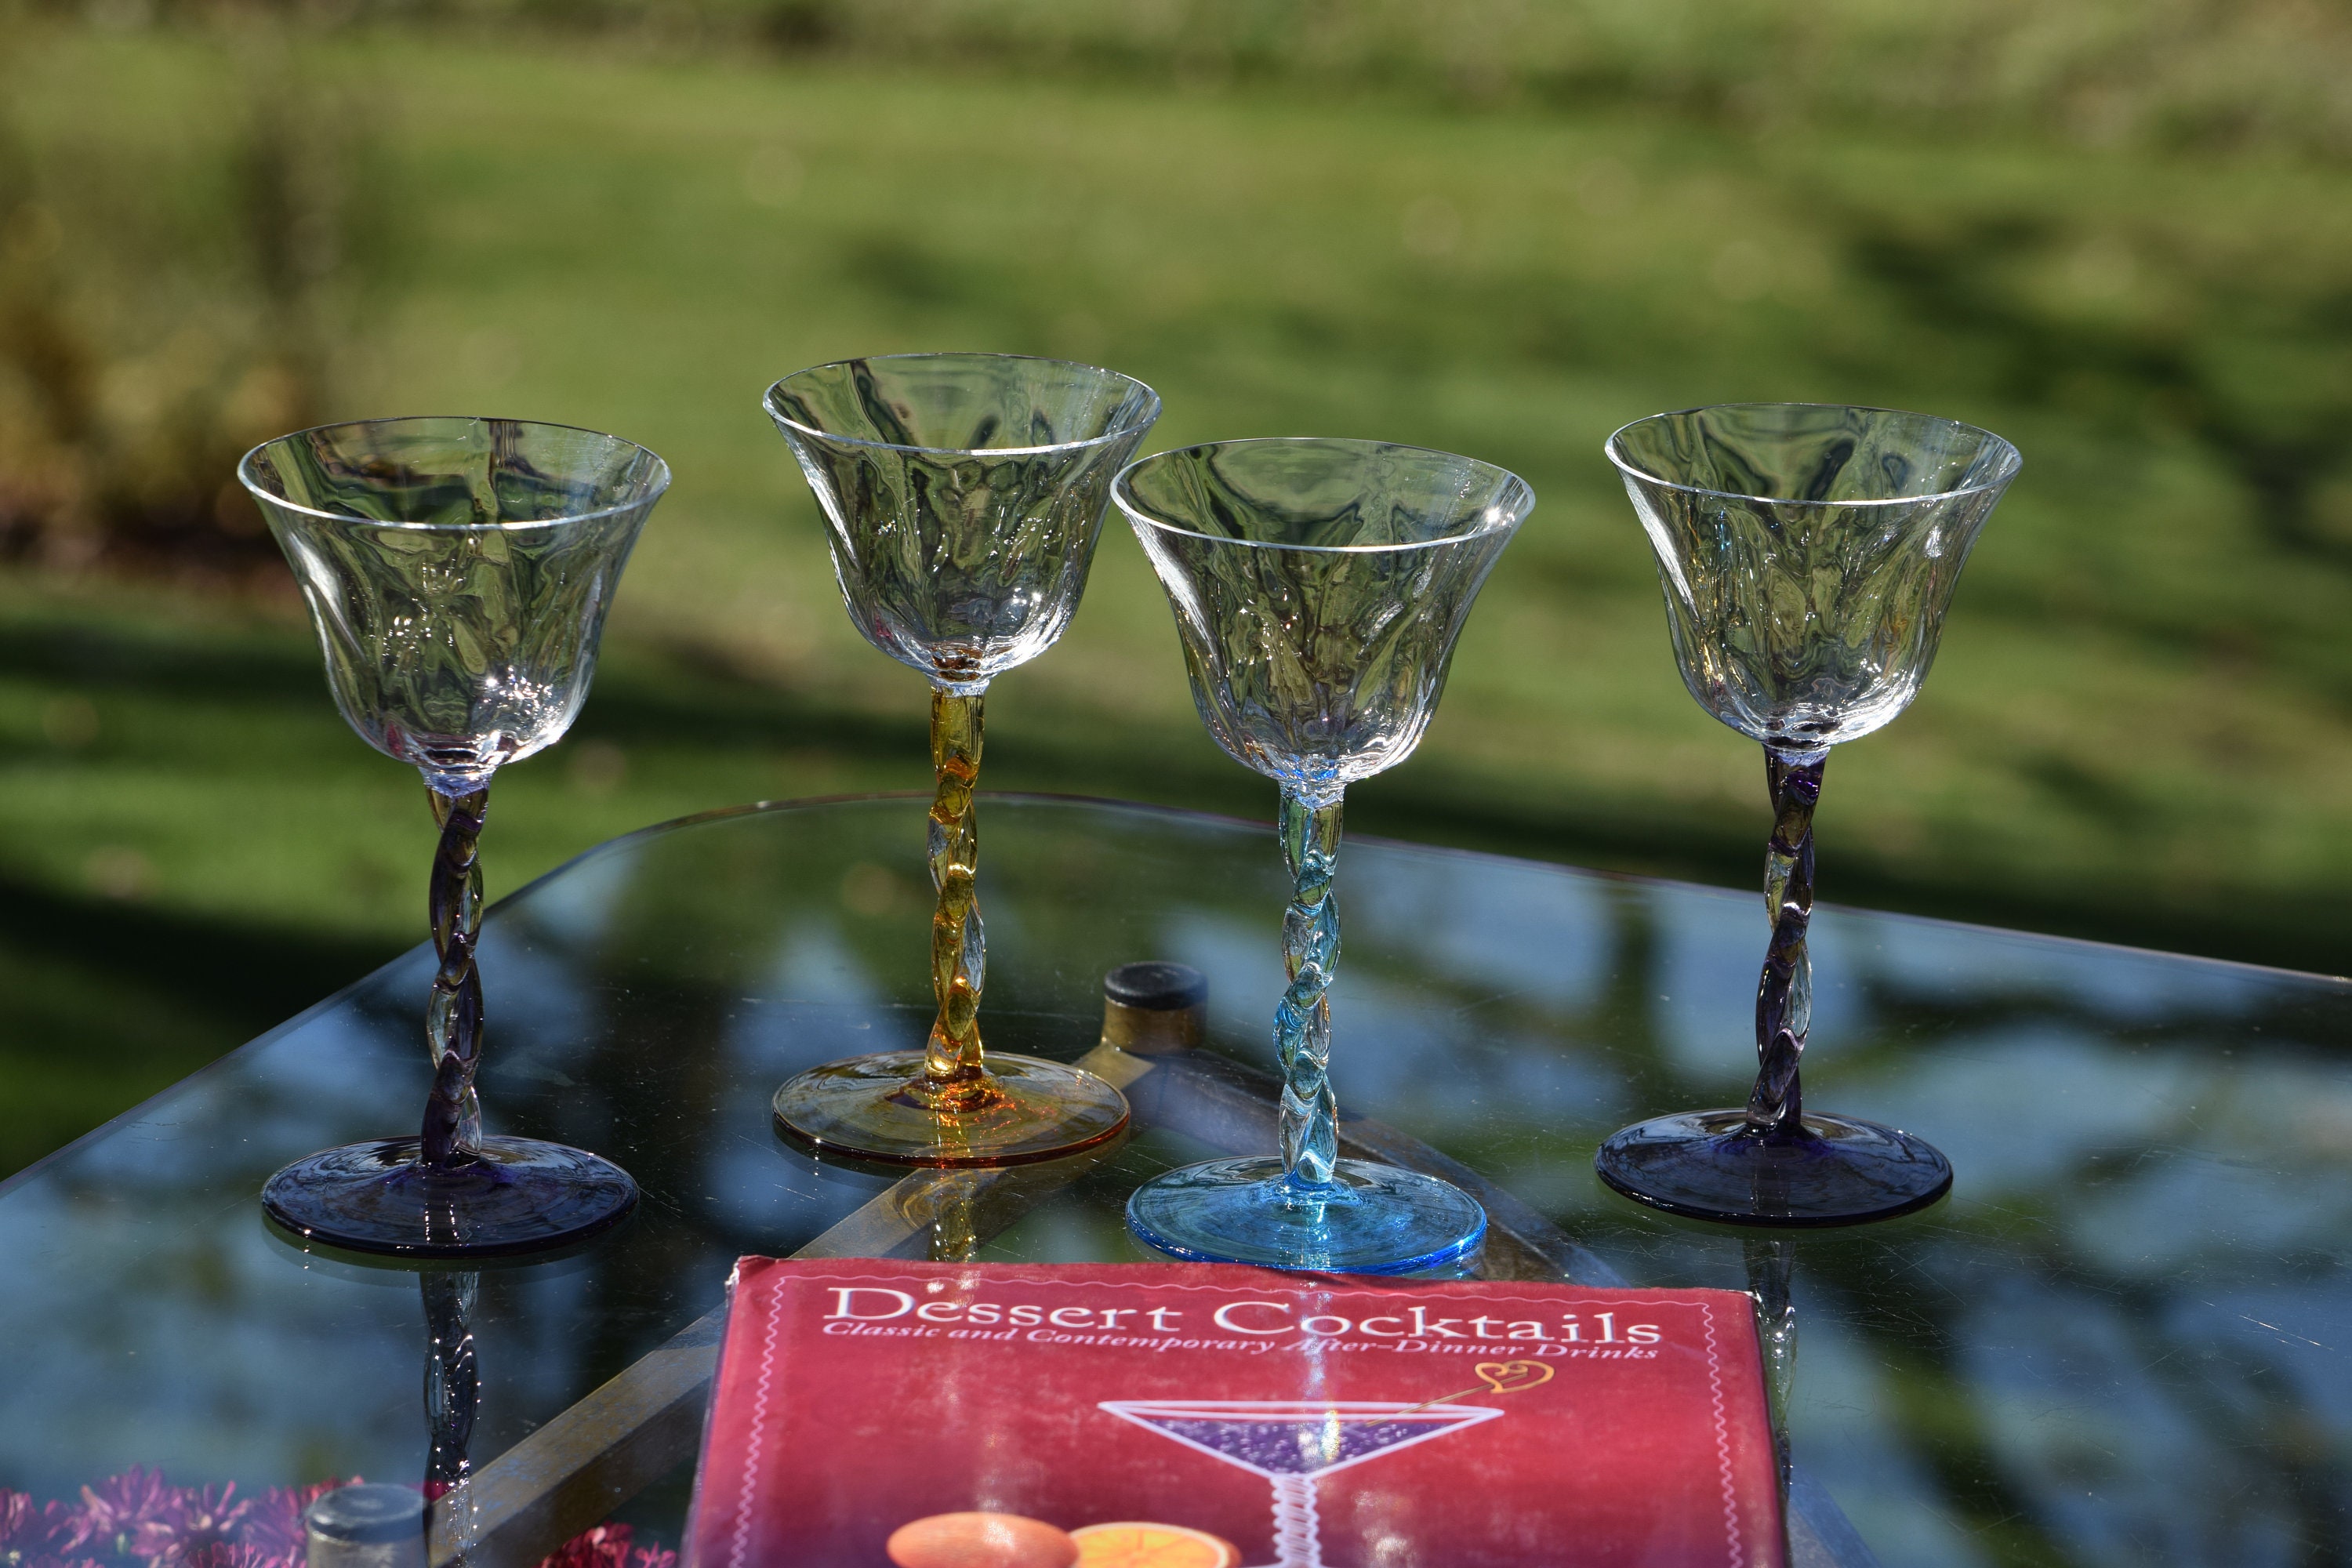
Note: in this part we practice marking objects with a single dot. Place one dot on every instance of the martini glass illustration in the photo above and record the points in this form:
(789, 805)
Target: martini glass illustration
(1808, 552)
(458, 571)
(963, 494)
(1293, 1443)
(1319, 587)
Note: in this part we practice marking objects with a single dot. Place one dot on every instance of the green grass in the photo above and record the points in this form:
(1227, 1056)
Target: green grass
(2139, 727)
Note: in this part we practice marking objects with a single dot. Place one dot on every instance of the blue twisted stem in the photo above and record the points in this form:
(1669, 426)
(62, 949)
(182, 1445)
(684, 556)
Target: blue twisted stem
(1784, 995)
(1302, 1021)
(453, 1019)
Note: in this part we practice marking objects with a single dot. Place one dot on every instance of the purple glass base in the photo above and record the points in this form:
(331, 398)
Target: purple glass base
(1709, 1165)
(518, 1196)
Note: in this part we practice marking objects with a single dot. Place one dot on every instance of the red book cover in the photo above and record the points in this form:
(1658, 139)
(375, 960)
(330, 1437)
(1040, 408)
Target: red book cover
(874, 1414)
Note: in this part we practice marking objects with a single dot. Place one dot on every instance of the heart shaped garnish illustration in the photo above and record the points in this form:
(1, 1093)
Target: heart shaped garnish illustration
(1510, 1376)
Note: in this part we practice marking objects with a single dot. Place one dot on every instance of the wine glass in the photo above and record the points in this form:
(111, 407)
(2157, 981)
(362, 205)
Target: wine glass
(963, 496)
(458, 571)
(1808, 551)
(1319, 586)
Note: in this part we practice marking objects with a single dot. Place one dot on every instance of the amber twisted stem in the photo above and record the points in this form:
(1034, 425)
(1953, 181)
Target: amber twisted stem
(1784, 995)
(1302, 1019)
(453, 1019)
(959, 945)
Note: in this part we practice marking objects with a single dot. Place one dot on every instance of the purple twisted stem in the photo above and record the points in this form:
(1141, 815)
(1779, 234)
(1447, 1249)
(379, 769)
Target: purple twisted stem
(1770, 1260)
(1302, 1020)
(453, 1019)
(453, 1383)
(1784, 996)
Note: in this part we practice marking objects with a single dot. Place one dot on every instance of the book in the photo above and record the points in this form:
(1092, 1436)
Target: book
(877, 1412)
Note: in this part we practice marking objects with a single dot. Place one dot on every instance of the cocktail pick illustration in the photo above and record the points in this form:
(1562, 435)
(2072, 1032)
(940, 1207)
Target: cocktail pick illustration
(1808, 552)
(1495, 1377)
(963, 495)
(458, 571)
(1293, 1443)
(1319, 587)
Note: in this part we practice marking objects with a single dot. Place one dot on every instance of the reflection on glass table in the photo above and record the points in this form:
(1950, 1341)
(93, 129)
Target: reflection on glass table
(2111, 1344)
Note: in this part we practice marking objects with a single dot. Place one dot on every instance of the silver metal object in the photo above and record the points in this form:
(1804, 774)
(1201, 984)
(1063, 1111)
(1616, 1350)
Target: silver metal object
(367, 1525)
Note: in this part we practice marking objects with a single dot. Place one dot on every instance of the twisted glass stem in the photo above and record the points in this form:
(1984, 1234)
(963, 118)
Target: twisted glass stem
(453, 1383)
(453, 1389)
(959, 945)
(1302, 1021)
(1784, 995)
(453, 1019)
(1769, 1264)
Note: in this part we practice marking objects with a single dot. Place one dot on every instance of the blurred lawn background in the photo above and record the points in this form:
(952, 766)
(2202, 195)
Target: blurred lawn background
(2119, 232)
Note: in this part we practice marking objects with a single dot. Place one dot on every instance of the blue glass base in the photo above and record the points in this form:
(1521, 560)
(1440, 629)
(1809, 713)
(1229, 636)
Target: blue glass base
(1710, 1164)
(518, 1196)
(1371, 1219)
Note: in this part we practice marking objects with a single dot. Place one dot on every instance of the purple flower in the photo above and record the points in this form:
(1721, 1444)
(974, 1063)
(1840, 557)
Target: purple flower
(229, 1554)
(25, 1531)
(606, 1546)
(116, 1511)
(274, 1525)
(202, 1516)
(136, 1520)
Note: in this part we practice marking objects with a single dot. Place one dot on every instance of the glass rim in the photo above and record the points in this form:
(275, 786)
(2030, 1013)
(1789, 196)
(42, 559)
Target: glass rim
(2009, 469)
(244, 476)
(1489, 523)
(1143, 420)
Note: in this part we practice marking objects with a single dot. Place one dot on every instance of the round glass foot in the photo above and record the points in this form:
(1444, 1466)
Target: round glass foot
(1372, 1219)
(1708, 1164)
(881, 1107)
(518, 1196)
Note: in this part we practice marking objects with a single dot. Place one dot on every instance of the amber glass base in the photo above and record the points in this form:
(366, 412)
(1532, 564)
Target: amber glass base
(881, 1107)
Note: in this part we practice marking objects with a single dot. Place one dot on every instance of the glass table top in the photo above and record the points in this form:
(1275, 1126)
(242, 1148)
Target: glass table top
(2119, 1340)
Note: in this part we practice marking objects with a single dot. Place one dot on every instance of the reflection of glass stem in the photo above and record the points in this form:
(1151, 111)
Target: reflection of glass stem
(1298, 1542)
(1302, 1021)
(453, 1023)
(453, 1388)
(1768, 1262)
(959, 946)
(951, 1201)
(1784, 996)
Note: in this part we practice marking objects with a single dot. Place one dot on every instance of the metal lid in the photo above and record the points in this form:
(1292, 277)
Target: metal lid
(1155, 1006)
(368, 1513)
(1156, 986)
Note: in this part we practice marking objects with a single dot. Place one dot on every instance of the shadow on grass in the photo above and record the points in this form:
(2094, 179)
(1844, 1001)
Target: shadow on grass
(686, 697)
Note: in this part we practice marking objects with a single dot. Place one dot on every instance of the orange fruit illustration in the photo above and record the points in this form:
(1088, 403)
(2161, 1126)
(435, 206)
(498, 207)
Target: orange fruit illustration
(1132, 1545)
(981, 1540)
